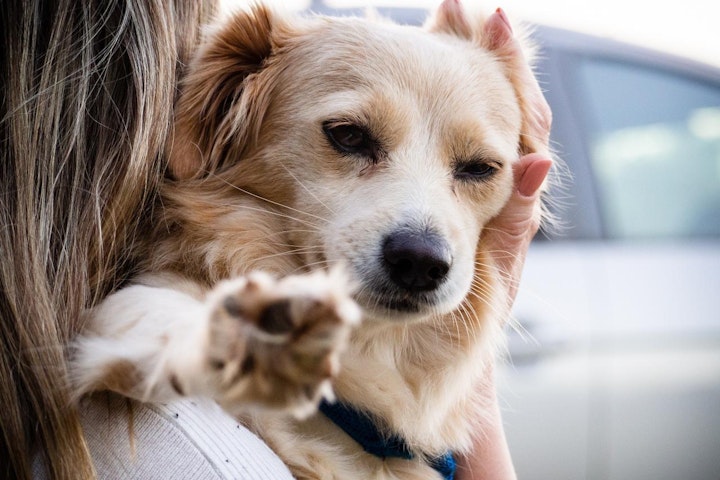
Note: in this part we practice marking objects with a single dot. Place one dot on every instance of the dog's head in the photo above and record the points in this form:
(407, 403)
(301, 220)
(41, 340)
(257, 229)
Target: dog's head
(386, 147)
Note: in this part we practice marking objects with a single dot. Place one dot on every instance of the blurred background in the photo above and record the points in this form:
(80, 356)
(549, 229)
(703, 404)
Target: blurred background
(613, 369)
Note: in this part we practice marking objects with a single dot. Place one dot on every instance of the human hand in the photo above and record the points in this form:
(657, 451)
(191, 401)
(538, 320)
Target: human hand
(507, 236)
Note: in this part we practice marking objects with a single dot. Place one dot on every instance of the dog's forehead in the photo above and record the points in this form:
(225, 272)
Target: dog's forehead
(365, 53)
(351, 65)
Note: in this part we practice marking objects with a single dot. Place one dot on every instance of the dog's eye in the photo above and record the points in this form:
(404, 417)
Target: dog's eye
(474, 170)
(350, 138)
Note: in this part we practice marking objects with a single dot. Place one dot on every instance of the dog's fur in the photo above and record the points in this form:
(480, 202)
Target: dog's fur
(270, 236)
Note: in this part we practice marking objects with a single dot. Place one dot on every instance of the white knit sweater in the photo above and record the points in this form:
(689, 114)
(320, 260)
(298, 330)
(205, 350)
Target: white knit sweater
(186, 439)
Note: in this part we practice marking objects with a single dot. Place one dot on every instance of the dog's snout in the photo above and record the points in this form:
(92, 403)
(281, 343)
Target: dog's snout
(416, 261)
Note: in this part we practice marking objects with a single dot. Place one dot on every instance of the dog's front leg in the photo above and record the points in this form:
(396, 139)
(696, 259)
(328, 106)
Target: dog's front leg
(249, 342)
(144, 341)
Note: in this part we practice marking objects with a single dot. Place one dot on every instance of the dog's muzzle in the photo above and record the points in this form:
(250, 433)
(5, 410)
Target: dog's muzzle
(408, 276)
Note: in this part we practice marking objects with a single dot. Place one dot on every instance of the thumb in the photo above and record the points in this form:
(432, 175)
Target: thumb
(530, 173)
(520, 216)
(507, 237)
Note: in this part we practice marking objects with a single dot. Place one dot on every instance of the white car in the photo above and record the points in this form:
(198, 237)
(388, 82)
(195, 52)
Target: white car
(622, 379)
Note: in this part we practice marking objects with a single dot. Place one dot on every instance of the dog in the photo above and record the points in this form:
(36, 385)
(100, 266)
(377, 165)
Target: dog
(319, 243)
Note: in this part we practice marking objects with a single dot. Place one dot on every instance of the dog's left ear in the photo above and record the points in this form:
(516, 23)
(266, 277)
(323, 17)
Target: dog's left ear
(450, 18)
(495, 35)
(224, 96)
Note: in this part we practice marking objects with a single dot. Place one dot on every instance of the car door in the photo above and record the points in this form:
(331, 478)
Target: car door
(624, 381)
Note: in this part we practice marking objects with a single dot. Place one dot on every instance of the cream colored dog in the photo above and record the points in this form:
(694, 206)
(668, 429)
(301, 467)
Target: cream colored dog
(321, 239)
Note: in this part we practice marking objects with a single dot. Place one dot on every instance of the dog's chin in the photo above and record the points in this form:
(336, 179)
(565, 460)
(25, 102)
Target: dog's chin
(393, 307)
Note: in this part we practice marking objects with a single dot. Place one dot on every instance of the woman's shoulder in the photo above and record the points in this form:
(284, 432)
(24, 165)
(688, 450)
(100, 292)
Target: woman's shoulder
(184, 439)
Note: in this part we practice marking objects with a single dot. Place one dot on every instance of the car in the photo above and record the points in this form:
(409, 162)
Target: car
(618, 376)
(613, 369)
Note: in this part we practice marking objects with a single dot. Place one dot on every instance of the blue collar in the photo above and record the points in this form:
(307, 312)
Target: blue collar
(363, 430)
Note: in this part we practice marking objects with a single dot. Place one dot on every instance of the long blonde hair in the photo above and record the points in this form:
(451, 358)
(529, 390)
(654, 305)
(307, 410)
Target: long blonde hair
(86, 98)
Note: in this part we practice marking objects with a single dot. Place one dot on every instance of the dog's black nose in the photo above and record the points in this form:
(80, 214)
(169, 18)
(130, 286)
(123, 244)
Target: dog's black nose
(416, 261)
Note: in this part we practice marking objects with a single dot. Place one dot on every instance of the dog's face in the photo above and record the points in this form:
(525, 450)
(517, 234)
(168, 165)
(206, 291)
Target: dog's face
(389, 148)
(400, 145)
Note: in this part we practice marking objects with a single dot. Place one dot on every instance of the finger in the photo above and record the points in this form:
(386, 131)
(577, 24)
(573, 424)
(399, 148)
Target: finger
(508, 235)
(519, 215)
(520, 218)
(530, 173)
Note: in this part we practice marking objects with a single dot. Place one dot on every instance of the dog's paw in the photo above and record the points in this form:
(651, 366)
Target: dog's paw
(276, 343)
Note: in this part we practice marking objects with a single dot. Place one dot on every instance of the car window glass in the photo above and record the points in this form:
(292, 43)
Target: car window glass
(655, 148)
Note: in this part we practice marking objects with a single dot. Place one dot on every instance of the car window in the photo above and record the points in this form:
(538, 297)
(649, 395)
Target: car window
(654, 144)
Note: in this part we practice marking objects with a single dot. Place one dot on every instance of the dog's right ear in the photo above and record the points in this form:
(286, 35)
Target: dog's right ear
(220, 98)
(495, 35)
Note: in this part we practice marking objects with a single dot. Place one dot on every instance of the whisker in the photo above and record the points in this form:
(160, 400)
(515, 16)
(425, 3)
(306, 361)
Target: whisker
(487, 299)
(522, 332)
(288, 253)
(311, 264)
(467, 316)
(272, 212)
(306, 189)
(507, 277)
(272, 202)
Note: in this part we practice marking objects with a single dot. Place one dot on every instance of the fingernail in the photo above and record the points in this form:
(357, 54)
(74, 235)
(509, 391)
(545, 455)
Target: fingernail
(533, 177)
